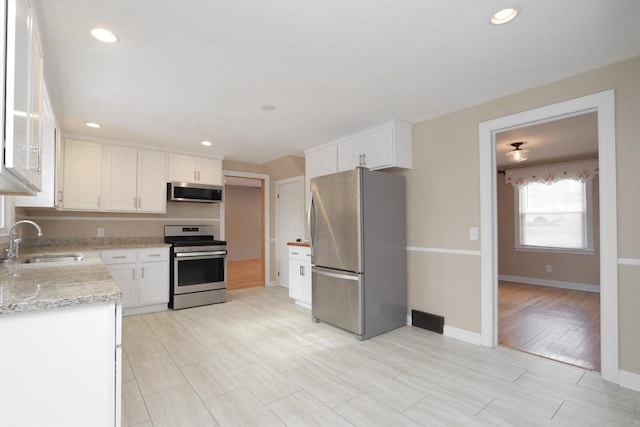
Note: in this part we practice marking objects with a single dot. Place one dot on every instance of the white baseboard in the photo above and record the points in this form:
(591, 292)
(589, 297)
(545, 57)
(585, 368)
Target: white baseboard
(145, 309)
(551, 283)
(462, 335)
(459, 334)
(629, 380)
(272, 284)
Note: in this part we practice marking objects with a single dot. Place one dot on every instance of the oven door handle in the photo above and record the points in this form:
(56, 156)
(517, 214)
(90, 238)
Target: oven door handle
(215, 254)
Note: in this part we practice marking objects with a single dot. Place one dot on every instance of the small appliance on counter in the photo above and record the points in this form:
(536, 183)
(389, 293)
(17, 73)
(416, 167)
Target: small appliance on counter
(198, 265)
(358, 251)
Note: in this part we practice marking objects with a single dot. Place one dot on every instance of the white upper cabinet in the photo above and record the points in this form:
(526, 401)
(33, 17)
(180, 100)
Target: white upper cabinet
(22, 110)
(82, 179)
(134, 180)
(152, 181)
(321, 161)
(382, 147)
(51, 147)
(119, 178)
(183, 168)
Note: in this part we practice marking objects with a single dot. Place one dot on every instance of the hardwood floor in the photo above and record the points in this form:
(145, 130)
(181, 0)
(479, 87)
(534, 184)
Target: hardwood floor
(558, 324)
(245, 273)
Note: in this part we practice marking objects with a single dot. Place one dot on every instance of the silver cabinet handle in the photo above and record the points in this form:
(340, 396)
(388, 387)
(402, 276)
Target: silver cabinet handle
(118, 257)
(155, 255)
(60, 196)
(302, 270)
(143, 272)
(198, 175)
(294, 253)
(364, 160)
(133, 273)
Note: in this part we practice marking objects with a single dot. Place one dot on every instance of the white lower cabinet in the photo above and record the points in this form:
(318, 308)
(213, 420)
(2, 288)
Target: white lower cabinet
(61, 367)
(142, 275)
(300, 275)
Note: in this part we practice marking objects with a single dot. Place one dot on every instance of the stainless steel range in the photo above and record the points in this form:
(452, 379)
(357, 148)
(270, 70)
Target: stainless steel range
(198, 266)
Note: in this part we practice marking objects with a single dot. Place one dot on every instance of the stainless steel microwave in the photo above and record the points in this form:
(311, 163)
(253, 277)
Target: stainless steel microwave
(188, 192)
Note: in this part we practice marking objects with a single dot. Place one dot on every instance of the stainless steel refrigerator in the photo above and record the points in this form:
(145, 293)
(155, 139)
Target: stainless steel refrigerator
(357, 224)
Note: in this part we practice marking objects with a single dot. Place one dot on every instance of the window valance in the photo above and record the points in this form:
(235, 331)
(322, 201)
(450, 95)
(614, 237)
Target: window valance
(583, 170)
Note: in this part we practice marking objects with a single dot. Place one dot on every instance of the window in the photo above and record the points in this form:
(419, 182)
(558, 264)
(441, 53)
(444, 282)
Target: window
(556, 215)
(554, 207)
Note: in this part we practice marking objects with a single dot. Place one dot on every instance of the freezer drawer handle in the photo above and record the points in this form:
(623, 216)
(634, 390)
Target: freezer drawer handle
(336, 275)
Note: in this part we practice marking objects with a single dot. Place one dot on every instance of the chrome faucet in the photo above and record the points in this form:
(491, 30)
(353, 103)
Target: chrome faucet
(12, 250)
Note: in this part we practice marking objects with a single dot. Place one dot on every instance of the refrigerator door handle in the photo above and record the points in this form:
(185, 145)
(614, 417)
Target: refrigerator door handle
(331, 273)
(311, 222)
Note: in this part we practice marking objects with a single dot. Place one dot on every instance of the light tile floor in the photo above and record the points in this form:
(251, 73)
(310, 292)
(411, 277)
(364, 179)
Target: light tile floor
(258, 360)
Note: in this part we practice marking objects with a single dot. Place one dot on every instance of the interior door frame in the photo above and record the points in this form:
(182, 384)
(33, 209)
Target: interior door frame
(277, 211)
(604, 104)
(266, 242)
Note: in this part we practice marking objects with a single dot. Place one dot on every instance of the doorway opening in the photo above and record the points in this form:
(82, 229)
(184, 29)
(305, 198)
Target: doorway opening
(244, 225)
(604, 104)
(548, 240)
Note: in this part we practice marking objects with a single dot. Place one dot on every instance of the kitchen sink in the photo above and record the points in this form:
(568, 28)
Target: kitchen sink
(36, 259)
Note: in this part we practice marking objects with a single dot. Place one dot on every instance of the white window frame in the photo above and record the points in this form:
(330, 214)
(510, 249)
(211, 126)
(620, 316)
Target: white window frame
(589, 248)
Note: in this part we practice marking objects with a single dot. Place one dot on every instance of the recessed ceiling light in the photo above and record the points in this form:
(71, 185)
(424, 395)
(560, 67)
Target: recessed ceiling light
(92, 125)
(206, 143)
(268, 107)
(104, 35)
(505, 15)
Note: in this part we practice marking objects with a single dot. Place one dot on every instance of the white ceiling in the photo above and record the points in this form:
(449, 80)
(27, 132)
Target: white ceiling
(562, 139)
(185, 71)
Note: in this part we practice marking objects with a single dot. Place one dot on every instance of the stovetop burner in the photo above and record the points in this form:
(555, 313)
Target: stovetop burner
(190, 235)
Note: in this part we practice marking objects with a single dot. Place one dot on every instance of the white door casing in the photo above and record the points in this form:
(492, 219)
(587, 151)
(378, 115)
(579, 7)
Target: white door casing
(603, 103)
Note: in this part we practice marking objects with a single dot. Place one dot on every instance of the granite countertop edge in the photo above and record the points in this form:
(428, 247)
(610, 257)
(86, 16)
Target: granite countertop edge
(34, 287)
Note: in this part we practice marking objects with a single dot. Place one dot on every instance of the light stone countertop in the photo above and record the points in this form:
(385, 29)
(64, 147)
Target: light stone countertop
(29, 287)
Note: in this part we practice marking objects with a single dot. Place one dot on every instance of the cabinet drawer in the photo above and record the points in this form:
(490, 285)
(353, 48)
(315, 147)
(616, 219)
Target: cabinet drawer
(301, 253)
(153, 254)
(118, 256)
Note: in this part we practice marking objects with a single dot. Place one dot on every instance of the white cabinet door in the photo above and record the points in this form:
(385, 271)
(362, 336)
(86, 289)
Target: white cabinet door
(35, 113)
(209, 171)
(59, 367)
(154, 283)
(82, 180)
(141, 274)
(18, 57)
(49, 146)
(182, 168)
(300, 275)
(152, 181)
(295, 279)
(349, 154)
(377, 149)
(120, 178)
(125, 277)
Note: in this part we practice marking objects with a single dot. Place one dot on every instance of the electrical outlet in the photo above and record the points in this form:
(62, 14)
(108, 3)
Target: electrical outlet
(100, 232)
(547, 268)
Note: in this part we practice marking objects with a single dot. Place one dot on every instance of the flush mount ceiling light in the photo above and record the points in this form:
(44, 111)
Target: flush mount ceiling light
(206, 143)
(505, 15)
(518, 154)
(92, 125)
(268, 107)
(104, 35)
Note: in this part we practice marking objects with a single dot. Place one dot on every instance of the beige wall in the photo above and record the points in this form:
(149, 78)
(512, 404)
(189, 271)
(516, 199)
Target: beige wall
(581, 269)
(243, 222)
(443, 200)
